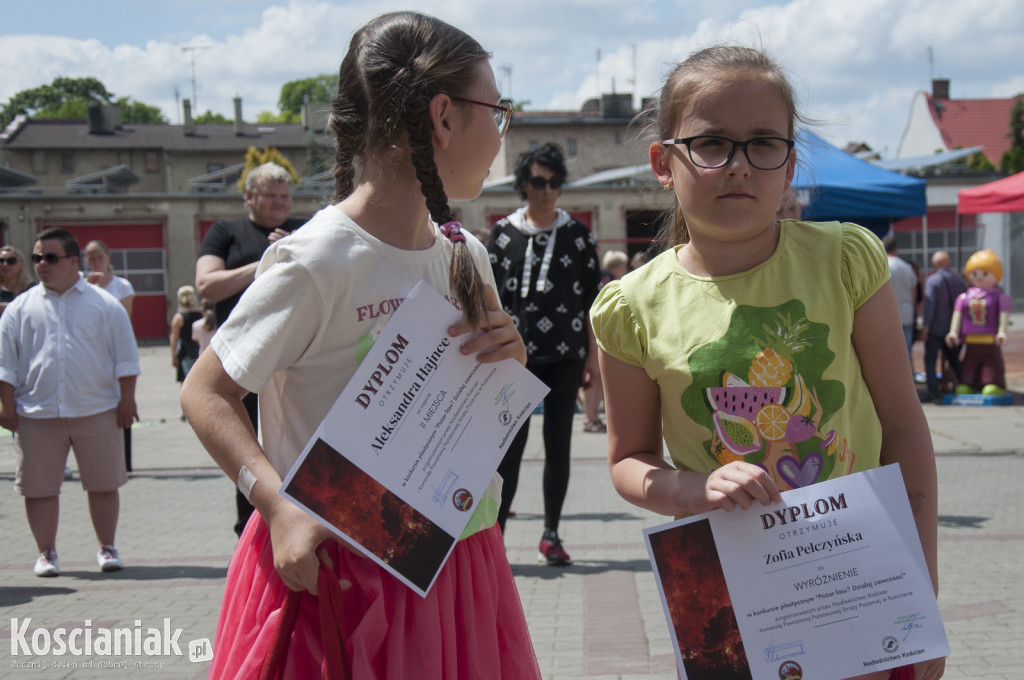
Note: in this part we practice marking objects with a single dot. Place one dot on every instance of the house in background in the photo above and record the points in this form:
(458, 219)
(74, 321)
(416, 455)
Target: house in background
(152, 191)
(149, 191)
(938, 123)
(937, 128)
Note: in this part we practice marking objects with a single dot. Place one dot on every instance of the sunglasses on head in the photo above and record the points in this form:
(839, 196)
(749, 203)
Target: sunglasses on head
(9, 261)
(49, 258)
(539, 183)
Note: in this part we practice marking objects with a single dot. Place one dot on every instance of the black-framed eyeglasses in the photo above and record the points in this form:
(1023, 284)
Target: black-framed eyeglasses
(502, 113)
(49, 258)
(9, 261)
(713, 151)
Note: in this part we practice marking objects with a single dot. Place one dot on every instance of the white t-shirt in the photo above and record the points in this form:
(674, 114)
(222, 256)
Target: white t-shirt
(321, 297)
(119, 288)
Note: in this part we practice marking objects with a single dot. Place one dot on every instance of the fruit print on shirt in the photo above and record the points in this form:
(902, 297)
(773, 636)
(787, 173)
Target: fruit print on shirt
(760, 392)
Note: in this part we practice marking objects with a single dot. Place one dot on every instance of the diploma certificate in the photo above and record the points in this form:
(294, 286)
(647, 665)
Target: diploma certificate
(404, 457)
(831, 583)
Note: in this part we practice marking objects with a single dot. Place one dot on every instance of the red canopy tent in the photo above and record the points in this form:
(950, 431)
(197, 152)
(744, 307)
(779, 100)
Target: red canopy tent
(1003, 195)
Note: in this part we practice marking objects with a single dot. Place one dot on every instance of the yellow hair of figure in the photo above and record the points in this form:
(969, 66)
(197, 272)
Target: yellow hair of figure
(985, 260)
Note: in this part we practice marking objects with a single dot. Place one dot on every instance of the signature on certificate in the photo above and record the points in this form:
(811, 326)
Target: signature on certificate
(774, 652)
(909, 623)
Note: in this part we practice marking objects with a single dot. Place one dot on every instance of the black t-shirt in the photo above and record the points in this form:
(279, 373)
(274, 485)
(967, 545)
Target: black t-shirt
(553, 322)
(238, 242)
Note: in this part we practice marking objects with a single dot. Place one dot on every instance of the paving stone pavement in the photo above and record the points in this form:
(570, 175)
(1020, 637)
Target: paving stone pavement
(600, 618)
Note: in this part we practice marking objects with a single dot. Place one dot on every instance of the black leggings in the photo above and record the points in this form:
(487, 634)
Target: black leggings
(563, 378)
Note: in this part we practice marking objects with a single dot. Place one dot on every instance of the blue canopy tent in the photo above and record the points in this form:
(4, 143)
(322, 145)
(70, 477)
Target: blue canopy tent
(835, 185)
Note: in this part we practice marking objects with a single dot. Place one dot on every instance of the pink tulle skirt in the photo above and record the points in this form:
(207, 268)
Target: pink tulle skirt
(470, 626)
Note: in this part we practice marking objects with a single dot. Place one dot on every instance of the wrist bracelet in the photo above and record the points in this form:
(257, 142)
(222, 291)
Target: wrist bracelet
(246, 480)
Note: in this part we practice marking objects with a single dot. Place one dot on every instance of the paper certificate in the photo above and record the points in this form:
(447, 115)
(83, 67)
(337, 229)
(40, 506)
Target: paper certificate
(406, 453)
(829, 584)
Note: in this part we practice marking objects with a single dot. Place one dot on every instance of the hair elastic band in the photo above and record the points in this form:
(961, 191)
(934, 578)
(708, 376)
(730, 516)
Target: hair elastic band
(453, 230)
(246, 480)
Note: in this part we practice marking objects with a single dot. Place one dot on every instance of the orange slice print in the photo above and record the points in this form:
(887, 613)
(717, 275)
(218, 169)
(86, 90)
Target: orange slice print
(771, 421)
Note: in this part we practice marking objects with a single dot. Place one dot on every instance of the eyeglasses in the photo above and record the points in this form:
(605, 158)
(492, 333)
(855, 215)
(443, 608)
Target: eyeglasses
(9, 261)
(539, 183)
(50, 258)
(712, 151)
(502, 113)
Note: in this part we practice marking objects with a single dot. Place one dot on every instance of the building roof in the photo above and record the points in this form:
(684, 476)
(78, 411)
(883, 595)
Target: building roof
(74, 134)
(974, 122)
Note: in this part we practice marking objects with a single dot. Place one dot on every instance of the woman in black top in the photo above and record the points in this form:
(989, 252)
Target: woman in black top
(545, 266)
(14, 278)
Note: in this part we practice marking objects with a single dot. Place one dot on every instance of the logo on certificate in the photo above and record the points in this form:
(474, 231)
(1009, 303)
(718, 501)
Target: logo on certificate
(790, 670)
(462, 500)
(890, 644)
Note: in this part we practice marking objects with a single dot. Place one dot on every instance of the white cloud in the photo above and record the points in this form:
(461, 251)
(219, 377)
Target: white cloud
(855, 64)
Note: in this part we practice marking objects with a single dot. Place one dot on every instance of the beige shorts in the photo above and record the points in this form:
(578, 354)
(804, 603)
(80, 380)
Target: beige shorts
(42, 444)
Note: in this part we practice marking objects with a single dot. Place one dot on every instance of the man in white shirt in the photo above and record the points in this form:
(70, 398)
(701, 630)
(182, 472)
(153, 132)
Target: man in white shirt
(904, 282)
(68, 366)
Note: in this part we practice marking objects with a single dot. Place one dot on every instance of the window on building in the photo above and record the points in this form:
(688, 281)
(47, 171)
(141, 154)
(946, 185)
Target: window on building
(572, 148)
(911, 245)
(533, 144)
(124, 158)
(152, 159)
(39, 163)
(143, 267)
(214, 167)
(67, 162)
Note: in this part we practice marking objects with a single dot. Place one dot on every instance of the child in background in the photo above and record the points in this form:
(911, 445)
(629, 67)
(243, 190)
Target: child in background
(204, 328)
(746, 307)
(417, 112)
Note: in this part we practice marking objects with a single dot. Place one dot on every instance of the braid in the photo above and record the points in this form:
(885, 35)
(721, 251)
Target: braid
(463, 277)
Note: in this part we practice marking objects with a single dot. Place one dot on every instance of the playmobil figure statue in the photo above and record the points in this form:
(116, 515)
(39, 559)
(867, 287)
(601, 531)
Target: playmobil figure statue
(980, 319)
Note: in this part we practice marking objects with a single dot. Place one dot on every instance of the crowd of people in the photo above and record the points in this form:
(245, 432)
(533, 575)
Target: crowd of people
(419, 114)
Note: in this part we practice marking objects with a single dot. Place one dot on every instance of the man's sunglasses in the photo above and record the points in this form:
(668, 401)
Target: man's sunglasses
(9, 261)
(539, 183)
(49, 258)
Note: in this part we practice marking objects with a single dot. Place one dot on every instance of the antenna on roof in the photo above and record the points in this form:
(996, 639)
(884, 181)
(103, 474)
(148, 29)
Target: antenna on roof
(191, 49)
(931, 64)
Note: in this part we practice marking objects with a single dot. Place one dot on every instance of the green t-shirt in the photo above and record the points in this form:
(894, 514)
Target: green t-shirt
(757, 366)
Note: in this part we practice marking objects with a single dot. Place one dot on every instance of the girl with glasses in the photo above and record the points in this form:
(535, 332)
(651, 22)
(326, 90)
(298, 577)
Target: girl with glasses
(14, 277)
(765, 353)
(301, 330)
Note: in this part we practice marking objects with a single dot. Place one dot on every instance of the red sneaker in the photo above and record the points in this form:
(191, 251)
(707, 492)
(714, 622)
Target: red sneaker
(552, 552)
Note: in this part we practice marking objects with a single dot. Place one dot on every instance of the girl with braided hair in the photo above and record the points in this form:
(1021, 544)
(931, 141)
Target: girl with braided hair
(416, 122)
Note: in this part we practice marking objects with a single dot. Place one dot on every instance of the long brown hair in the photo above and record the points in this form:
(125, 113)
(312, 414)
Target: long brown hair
(24, 281)
(395, 65)
(702, 72)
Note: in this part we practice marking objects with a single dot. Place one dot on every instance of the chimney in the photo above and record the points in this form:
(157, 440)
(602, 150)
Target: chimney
(940, 88)
(103, 118)
(238, 116)
(189, 127)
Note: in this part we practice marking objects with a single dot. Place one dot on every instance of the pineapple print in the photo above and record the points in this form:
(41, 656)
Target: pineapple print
(773, 365)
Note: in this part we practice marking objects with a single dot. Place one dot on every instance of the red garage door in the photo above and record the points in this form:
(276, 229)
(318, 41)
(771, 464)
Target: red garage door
(137, 253)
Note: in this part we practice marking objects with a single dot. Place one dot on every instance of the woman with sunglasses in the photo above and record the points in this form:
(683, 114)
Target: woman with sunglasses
(14, 278)
(545, 265)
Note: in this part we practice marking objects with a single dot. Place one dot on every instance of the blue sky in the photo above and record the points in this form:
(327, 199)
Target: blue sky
(854, 64)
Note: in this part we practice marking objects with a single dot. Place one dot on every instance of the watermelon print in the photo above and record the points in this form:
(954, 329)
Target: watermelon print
(760, 392)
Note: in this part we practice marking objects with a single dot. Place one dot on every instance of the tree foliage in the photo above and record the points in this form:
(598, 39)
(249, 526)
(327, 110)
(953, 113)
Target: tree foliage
(209, 117)
(69, 98)
(318, 90)
(1013, 159)
(255, 157)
